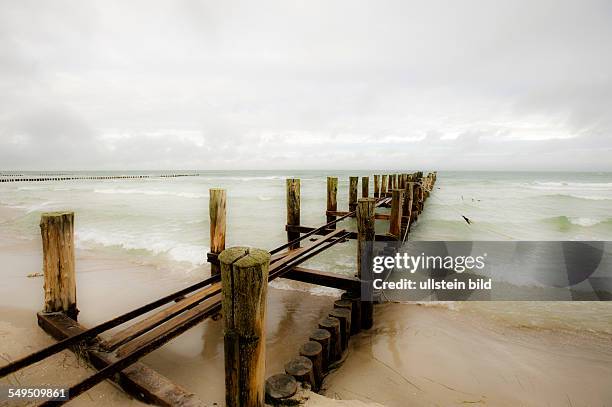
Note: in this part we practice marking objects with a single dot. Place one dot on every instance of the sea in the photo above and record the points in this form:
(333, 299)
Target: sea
(163, 221)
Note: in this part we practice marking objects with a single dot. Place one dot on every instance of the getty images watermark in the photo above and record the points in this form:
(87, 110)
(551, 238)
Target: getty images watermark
(512, 271)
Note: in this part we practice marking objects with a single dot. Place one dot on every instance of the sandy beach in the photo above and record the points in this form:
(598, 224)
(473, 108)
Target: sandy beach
(433, 356)
(416, 355)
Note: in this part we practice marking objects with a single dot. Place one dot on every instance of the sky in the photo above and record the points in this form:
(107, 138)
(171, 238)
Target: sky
(448, 85)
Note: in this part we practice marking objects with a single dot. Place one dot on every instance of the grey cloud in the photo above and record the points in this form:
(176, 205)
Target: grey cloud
(204, 84)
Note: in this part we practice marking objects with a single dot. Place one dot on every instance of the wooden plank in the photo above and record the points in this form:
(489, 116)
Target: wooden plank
(165, 314)
(323, 278)
(379, 216)
(295, 253)
(202, 310)
(351, 235)
(139, 380)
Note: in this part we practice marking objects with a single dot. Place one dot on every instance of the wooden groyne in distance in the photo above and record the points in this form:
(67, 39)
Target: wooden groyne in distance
(28, 178)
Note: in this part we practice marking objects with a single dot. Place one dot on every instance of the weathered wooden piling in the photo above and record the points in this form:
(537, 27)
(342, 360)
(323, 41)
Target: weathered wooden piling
(407, 206)
(332, 325)
(376, 186)
(418, 192)
(57, 231)
(365, 241)
(293, 209)
(365, 187)
(332, 198)
(355, 299)
(344, 316)
(217, 214)
(353, 181)
(301, 368)
(383, 186)
(395, 220)
(280, 387)
(322, 336)
(314, 351)
(244, 276)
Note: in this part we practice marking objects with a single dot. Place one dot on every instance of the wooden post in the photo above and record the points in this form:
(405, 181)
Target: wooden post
(244, 277)
(323, 337)
(407, 206)
(332, 198)
(365, 187)
(57, 231)
(395, 220)
(353, 181)
(383, 186)
(314, 351)
(332, 325)
(280, 387)
(344, 316)
(365, 240)
(418, 199)
(347, 304)
(355, 299)
(217, 214)
(376, 186)
(293, 209)
(301, 368)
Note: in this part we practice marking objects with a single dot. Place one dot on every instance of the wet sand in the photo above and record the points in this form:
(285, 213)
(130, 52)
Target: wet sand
(432, 356)
(415, 355)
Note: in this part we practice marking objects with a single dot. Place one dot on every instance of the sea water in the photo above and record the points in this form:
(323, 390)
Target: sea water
(164, 221)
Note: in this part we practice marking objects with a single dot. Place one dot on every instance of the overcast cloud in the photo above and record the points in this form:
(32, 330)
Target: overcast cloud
(305, 84)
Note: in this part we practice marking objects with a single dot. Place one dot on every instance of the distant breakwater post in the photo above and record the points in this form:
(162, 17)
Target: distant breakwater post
(71, 177)
(237, 287)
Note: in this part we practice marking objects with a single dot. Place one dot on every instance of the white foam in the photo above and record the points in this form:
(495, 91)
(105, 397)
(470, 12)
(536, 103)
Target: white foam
(176, 251)
(316, 290)
(190, 195)
(565, 185)
(585, 221)
(590, 197)
(38, 207)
